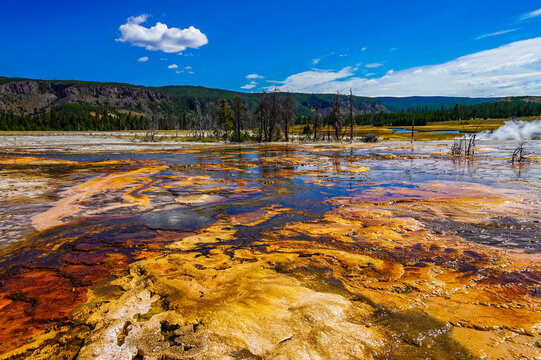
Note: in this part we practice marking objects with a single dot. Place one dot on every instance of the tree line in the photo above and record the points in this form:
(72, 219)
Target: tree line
(491, 110)
(271, 121)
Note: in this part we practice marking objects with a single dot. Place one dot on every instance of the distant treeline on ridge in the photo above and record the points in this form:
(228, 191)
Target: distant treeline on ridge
(219, 114)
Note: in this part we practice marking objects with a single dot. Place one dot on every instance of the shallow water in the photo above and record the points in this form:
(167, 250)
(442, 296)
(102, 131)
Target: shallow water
(404, 214)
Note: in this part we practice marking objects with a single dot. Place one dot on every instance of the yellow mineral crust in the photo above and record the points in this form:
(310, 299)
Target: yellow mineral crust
(366, 280)
(210, 235)
(132, 183)
(364, 283)
(403, 267)
(222, 307)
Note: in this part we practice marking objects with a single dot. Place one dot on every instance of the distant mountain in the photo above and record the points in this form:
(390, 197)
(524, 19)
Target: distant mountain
(430, 102)
(29, 97)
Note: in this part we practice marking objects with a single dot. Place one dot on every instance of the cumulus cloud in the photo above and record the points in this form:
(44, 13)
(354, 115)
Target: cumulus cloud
(531, 14)
(254, 76)
(512, 69)
(249, 86)
(143, 59)
(315, 61)
(160, 36)
(495, 34)
(173, 66)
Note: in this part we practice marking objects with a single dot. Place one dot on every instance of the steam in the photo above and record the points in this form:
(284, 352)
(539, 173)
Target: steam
(513, 130)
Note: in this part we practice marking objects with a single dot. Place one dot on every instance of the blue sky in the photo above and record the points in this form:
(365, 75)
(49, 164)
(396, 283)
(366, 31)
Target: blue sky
(459, 48)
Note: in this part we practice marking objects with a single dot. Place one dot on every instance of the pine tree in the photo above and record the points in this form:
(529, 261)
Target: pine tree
(224, 116)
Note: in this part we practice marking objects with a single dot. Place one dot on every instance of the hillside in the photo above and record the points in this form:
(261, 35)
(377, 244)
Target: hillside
(29, 97)
(430, 102)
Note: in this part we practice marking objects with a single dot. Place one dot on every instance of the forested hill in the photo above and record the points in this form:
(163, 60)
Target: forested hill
(27, 104)
(397, 104)
(80, 98)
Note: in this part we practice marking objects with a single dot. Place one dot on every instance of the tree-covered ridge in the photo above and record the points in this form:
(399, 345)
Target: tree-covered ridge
(273, 115)
(27, 96)
(499, 109)
(82, 106)
(62, 121)
(397, 104)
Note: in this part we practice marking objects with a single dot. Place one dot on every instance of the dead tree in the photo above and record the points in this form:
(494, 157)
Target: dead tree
(335, 117)
(470, 148)
(275, 115)
(263, 114)
(176, 124)
(152, 127)
(456, 148)
(288, 115)
(239, 116)
(519, 154)
(464, 146)
(197, 121)
(412, 125)
(351, 115)
(316, 120)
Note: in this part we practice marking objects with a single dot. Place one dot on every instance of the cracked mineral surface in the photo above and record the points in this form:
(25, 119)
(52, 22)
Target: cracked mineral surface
(380, 251)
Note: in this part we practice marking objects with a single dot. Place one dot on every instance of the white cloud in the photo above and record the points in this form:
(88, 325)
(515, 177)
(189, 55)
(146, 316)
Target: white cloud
(143, 59)
(188, 68)
(495, 34)
(249, 86)
(314, 79)
(373, 65)
(254, 76)
(179, 71)
(173, 66)
(315, 61)
(363, 49)
(512, 69)
(160, 36)
(531, 14)
(138, 19)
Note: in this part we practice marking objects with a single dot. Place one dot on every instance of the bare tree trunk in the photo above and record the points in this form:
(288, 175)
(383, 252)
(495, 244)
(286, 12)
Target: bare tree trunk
(412, 125)
(316, 121)
(351, 114)
(328, 129)
(261, 130)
